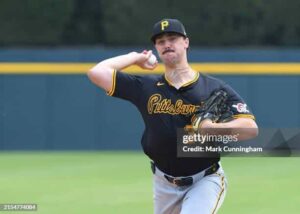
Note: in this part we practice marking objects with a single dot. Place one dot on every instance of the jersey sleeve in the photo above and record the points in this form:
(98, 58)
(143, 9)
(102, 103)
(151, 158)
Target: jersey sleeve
(237, 105)
(126, 86)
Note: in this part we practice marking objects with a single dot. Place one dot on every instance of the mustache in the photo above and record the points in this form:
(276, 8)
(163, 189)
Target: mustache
(167, 50)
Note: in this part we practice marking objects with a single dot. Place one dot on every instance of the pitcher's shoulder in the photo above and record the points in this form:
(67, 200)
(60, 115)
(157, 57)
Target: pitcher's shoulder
(210, 80)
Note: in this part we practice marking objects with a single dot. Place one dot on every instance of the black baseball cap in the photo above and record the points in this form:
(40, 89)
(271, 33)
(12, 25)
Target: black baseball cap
(167, 26)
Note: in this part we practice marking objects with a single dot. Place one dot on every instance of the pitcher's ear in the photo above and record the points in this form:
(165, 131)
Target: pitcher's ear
(187, 42)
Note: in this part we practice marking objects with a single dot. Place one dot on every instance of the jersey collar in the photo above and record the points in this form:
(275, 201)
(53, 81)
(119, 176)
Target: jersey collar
(184, 85)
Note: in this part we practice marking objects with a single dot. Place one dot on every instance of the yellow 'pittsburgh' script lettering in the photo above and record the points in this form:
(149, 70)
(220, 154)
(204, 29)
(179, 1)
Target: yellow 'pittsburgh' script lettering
(157, 105)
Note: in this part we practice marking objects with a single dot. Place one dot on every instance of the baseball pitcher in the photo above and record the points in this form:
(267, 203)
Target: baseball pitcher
(181, 97)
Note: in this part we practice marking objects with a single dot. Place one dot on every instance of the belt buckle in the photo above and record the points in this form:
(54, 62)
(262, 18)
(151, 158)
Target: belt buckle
(176, 181)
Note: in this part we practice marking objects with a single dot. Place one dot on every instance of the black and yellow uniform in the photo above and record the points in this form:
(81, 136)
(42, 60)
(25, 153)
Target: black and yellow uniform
(165, 109)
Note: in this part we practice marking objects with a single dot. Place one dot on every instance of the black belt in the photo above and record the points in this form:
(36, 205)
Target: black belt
(187, 181)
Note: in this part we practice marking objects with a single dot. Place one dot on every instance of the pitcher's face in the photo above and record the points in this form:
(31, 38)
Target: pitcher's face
(171, 47)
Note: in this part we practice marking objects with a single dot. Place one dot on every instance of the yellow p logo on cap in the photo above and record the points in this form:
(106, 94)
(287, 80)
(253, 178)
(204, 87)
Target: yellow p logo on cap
(164, 24)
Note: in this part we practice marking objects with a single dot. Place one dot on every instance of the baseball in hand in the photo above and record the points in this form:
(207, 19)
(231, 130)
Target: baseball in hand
(152, 60)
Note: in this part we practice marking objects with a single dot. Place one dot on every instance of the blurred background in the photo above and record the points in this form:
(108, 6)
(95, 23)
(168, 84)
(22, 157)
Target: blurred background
(62, 139)
(49, 102)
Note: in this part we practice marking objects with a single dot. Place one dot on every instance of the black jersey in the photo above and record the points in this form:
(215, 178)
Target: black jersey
(165, 109)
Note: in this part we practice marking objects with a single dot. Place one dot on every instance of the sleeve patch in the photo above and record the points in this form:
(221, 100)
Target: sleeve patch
(241, 107)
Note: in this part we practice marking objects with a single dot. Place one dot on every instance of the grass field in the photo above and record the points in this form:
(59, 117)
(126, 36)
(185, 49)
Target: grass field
(120, 182)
